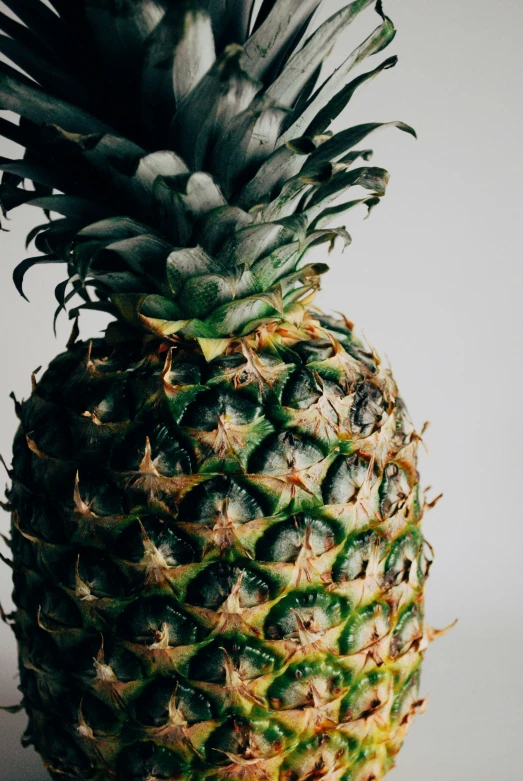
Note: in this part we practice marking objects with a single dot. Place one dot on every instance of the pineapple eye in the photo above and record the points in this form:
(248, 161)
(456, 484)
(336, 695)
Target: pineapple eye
(344, 479)
(209, 407)
(284, 541)
(394, 490)
(368, 410)
(158, 620)
(215, 584)
(149, 760)
(406, 698)
(58, 608)
(317, 350)
(364, 629)
(366, 695)
(250, 658)
(218, 498)
(153, 706)
(61, 744)
(168, 456)
(353, 560)
(99, 716)
(300, 616)
(408, 630)
(125, 665)
(101, 498)
(405, 550)
(175, 547)
(90, 573)
(283, 454)
(301, 391)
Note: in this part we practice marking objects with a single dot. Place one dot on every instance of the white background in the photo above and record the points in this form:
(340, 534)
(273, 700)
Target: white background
(433, 279)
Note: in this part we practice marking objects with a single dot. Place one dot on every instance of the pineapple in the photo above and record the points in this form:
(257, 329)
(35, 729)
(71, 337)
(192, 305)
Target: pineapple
(216, 548)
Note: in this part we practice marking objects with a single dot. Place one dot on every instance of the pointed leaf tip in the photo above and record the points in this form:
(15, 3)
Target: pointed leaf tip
(22, 268)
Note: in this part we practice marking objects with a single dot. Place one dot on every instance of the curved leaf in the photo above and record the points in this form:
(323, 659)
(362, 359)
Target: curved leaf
(202, 194)
(303, 64)
(257, 241)
(200, 295)
(329, 99)
(114, 229)
(22, 268)
(370, 178)
(333, 149)
(325, 217)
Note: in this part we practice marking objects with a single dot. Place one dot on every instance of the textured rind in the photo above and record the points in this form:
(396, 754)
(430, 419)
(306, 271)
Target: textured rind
(219, 566)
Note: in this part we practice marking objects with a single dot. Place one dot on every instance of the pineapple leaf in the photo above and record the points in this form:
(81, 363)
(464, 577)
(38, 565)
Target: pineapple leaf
(329, 95)
(23, 35)
(200, 295)
(41, 174)
(221, 95)
(254, 242)
(202, 194)
(324, 218)
(218, 224)
(22, 268)
(285, 18)
(69, 10)
(241, 316)
(185, 43)
(306, 60)
(45, 72)
(257, 128)
(171, 211)
(71, 206)
(47, 26)
(230, 19)
(183, 264)
(269, 269)
(152, 311)
(335, 147)
(280, 166)
(120, 29)
(113, 229)
(339, 102)
(143, 254)
(25, 98)
(375, 179)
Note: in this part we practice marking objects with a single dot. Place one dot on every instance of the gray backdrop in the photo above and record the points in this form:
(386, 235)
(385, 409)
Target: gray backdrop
(433, 279)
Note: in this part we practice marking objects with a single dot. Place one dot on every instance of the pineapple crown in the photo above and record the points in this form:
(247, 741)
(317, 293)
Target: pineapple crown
(185, 145)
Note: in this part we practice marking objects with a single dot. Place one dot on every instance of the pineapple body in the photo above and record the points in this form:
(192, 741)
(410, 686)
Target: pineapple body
(216, 542)
(218, 564)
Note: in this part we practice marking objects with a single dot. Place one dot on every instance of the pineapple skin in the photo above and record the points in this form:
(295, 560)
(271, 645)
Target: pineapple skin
(218, 565)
